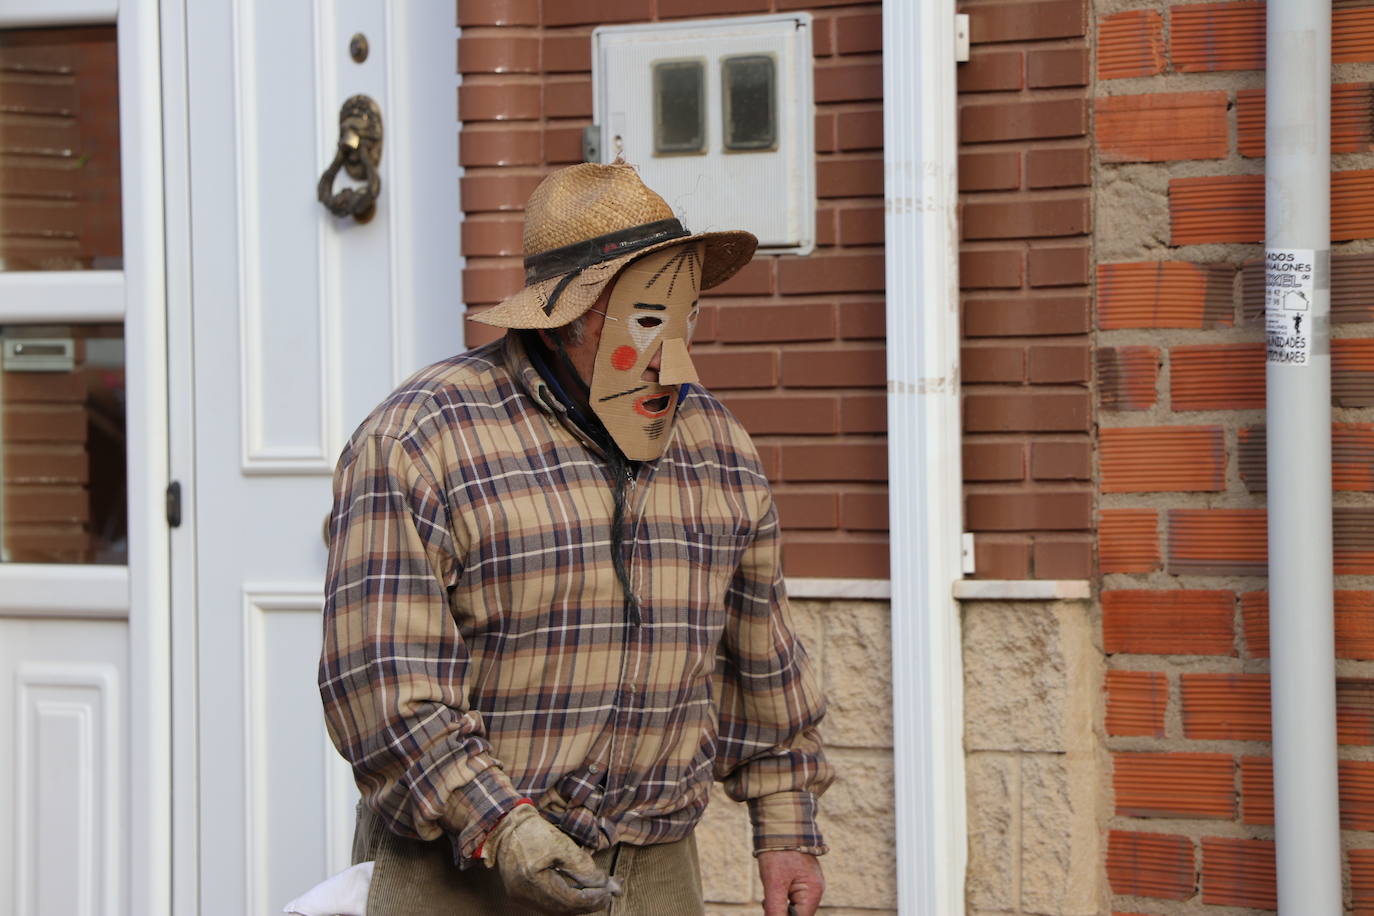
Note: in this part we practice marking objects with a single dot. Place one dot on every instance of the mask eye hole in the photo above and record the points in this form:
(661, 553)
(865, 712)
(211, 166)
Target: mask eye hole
(645, 321)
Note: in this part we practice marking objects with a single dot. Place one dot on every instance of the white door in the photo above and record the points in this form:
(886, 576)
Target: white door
(302, 322)
(84, 760)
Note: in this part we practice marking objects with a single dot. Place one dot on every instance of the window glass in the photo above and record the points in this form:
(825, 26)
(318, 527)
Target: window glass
(62, 444)
(59, 150)
(749, 88)
(679, 107)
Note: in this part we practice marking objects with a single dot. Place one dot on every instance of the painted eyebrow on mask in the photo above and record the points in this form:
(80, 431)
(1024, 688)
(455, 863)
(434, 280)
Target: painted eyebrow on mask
(651, 306)
(612, 397)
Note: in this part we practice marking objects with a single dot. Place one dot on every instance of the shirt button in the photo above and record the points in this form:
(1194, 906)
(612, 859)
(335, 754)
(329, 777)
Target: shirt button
(593, 769)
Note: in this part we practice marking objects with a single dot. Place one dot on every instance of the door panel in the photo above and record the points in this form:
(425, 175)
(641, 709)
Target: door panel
(302, 323)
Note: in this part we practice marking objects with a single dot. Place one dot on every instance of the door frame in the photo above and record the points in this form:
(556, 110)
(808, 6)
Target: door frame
(136, 296)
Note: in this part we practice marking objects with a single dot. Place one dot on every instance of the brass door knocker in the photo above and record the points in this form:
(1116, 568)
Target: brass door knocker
(360, 153)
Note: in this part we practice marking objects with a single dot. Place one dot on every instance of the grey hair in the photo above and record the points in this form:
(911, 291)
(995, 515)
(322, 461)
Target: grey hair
(575, 331)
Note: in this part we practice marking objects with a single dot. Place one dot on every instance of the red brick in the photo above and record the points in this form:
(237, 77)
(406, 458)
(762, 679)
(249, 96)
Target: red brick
(782, 321)
(836, 273)
(991, 71)
(1254, 619)
(43, 423)
(992, 364)
(1219, 377)
(1161, 127)
(1353, 531)
(753, 279)
(1162, 458)
(1062, 558)
(1225, 707)
(1051, 460)
(859, 130)
(1164, 294)
(1217, 208)
(1256, 790)
(1150, 865)
(1026, 412)
(864, 511)
(737, 368)
(489, 192)
(1136, 703)
(706, 324)
(1355, 711)
(1053, 67)
(826, 232)
(1174, 785)
(568, 53)
(809, 4)
(1035, 511)
(813, 511)
(862, 413)
(46, 505)
(1037, 119)
(995, 269)
(841, 462)
(68, 387)
(504, 101)
(476, 334)
(1059, 364)
(491, 283)
(1127, 377)
(1001, 558)
(671, 9)
(858, 34)
(568, 98)
(1130, 44)
(848, 559)
(561, 12)
(1128, 540)
(1217, 36)
(1239, 872)
(997, 171)
(1352, 372)
(504, 146)
(562, 145)
(823, 36)
(46, 463)
(994, 461)
(497, 53)
(1043, 217)
(1352, 35)
(1058, 266)
(498, 12)
(1026, 317)
(797, 416)
(1218, 542)
(849, 82)
(1168, 622)
(1361, 880)
(826, 141)
(831, 368)
(1059, 167)
(483, 237)
(863, 321)
(861, 225)
(849, 178)
(1024, 21)
(1352, 128)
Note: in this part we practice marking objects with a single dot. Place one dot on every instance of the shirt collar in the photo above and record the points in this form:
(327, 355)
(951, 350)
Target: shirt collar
(539, 390)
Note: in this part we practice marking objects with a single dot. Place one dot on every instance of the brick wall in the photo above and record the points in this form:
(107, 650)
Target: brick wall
(1178, 131)
(794, 346)
(1026, 220)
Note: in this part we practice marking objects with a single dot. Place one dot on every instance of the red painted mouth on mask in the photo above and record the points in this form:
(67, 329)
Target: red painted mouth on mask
(653, 405)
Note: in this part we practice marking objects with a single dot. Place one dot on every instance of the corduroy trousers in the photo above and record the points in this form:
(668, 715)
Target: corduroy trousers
(414, 878)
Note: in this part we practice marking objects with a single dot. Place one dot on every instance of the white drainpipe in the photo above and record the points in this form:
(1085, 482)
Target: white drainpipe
(1297, 210)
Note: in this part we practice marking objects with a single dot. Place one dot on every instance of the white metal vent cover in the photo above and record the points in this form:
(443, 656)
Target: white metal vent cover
(718, 116)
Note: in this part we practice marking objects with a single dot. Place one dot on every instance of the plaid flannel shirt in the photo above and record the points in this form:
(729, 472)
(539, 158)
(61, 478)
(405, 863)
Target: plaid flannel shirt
(476, 645)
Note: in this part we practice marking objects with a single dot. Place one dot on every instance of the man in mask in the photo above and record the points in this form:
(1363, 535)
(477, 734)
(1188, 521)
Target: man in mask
(555, 612)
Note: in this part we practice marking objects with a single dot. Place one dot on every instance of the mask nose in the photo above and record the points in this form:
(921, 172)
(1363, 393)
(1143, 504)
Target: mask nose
(677, 367)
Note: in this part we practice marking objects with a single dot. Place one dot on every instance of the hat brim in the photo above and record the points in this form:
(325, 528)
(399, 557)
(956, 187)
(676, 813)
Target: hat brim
(726, 253)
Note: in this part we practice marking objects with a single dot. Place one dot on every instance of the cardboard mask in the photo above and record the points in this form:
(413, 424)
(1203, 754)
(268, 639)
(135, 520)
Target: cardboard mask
(652, 308)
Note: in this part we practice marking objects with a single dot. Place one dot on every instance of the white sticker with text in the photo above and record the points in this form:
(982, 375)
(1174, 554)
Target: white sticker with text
(1289, 284)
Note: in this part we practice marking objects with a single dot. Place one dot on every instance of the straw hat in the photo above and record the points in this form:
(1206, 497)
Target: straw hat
(585, 222)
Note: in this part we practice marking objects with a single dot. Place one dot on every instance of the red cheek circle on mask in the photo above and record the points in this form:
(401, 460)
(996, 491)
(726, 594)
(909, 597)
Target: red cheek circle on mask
(624, 358)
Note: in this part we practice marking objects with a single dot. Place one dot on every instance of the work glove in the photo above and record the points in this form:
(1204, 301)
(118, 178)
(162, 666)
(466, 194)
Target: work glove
(543, 868)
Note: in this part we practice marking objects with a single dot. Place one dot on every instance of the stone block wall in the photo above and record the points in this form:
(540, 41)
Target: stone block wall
(850, 645)
(1178, 136)
(1036, 802)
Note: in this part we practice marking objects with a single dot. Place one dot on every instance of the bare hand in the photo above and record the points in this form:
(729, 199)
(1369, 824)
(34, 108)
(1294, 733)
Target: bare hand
(790, 877)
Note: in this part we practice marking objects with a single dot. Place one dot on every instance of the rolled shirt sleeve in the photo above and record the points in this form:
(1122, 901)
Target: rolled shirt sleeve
(393, 669)
(769, 705)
